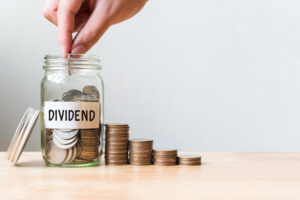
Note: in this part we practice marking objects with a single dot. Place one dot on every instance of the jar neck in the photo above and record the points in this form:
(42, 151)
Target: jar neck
(71, 61)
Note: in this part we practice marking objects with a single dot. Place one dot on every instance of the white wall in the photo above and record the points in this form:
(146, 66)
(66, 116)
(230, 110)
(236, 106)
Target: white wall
(212, 75)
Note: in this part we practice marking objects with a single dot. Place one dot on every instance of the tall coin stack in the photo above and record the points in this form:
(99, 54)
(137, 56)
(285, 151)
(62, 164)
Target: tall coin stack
(165, 157)
(140, 151)
(116, 148)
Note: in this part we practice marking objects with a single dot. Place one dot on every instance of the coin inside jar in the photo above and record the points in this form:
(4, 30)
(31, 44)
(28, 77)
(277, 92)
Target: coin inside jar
(91, 90)
(85, 98)
(55, 154)
(70, 94)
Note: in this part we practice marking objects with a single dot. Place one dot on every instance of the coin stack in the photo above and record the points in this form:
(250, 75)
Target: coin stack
(140, 151)
(89, 144)
(189, 160)
(165, 157)
(116, 148)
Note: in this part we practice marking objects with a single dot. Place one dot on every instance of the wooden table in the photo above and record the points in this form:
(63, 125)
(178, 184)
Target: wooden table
(222, 176)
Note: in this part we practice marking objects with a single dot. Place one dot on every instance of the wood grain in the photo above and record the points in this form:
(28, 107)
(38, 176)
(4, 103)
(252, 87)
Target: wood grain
(222, 176)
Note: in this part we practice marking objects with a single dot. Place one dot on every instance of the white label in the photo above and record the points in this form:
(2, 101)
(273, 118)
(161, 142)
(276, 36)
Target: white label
(71, 115)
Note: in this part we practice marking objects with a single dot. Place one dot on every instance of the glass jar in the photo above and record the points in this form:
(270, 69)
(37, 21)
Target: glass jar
(72, 111)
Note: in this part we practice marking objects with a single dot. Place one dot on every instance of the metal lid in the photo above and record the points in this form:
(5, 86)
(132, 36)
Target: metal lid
(22, 135)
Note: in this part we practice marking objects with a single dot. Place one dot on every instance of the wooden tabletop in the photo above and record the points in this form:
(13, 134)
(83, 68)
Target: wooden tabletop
(222, 176)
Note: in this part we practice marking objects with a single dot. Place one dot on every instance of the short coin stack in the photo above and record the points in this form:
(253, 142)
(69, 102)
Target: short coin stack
(116, 148)
(189, 160)
(140, 151)
(165, 157)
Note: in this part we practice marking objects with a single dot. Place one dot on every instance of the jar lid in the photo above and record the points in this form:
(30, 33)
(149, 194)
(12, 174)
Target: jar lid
(22, 135)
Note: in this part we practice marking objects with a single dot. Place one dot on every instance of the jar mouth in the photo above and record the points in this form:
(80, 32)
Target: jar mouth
(72, 61)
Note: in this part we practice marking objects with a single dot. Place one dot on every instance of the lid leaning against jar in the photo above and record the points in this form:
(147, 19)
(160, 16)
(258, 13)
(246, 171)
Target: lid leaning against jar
(22, 135)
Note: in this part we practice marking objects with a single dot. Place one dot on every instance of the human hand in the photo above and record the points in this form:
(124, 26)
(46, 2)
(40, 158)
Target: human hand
(90, 18)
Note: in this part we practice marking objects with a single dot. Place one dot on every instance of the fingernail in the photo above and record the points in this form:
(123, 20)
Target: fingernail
(79, 50)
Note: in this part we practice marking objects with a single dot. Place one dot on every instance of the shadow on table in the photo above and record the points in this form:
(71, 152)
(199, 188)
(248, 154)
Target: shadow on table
(31, 163)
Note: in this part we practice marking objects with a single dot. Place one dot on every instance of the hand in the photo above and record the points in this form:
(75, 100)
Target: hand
(90, 18)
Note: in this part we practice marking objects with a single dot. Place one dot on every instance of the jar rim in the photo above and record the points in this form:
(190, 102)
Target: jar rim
(72, 61)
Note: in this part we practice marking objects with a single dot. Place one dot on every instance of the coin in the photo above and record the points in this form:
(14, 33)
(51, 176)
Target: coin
(139, 163)
(141, 140)
(188, 163)
(69, 155)
(116, 148)
(48, 135)
(85, 98)
(118, 143)
(63, 141)
(189, 157)
(165, 151)
(91, 90)
(140, 151)
(124, 139)
(107, 162)
(70, 94)
(117, 126)
(65, 134)
(164, 163)
(136, 159)
(113, 151)
(55, 154)
(117, 134)
(119, 130)
(116, 156)
(65, 146)
(75, 149)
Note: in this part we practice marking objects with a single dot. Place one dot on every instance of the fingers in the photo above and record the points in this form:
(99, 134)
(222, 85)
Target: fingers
(91, 32)
(80, 19)
(50, 10)
(66, 13)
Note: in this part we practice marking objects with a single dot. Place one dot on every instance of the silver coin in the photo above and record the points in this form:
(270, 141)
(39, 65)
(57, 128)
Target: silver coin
(65, 134)
(65, 146)
(91, 90)
(63, 141)
(69, 155)
(55, 154)
(70, 94)
(67, 130)
(75, 149)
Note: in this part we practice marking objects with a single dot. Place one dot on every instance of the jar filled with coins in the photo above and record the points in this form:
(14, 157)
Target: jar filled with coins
(72, 111)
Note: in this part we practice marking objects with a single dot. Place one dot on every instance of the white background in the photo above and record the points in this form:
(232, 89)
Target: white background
(211, 75)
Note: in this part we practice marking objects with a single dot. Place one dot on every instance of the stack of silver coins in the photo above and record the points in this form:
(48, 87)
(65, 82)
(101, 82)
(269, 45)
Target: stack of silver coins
(165, 157)
(116, 148)
(140, 151)
(66, 146)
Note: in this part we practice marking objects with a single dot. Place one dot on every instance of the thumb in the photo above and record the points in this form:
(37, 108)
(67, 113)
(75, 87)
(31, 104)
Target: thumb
(91, 32)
